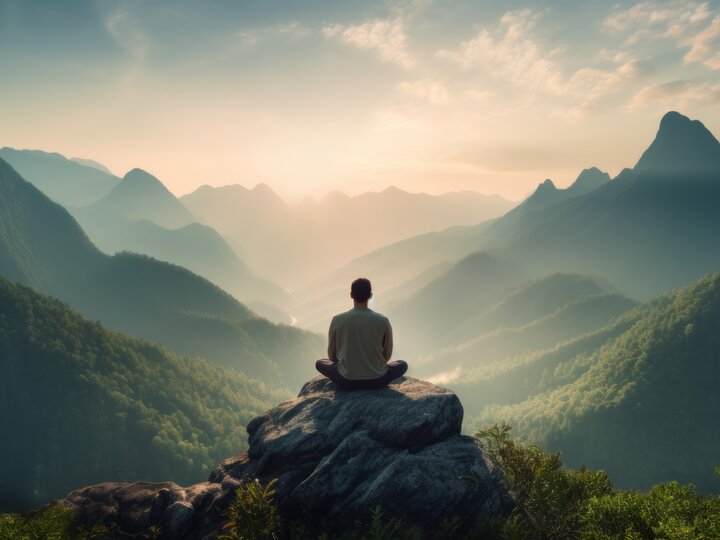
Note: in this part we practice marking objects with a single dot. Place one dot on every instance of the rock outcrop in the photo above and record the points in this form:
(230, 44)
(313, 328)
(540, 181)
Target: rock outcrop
(336, 455)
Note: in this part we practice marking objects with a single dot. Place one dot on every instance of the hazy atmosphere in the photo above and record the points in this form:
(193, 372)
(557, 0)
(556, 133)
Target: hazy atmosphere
(410, 270)
(429, 96)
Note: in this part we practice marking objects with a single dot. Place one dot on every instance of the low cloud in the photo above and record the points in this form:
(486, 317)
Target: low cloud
(510, 51)
(690, 25)
(252, 36)
(675, 95)
(387, 38)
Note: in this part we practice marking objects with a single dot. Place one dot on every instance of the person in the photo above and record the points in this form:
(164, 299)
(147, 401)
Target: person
(360, 344)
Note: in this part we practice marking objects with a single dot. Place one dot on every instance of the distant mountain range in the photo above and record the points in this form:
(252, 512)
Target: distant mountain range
(292, 244)
(137, 213)
(68, 182)
(43, 247)
(141, 196)
(142, 216)
(651, 229)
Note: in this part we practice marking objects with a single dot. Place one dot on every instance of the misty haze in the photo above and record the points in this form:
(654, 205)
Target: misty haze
(529, 196)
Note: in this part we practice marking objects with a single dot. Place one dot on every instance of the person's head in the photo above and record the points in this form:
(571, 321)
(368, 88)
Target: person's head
(361, 290)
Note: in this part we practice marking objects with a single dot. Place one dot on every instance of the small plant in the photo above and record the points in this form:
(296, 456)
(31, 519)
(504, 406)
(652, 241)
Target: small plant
(52, 523)
(383, 531)
(253, 514)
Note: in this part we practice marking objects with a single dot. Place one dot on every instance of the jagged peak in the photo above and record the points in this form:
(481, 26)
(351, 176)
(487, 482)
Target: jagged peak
(546, 186)
(681, 145)
(589, 180)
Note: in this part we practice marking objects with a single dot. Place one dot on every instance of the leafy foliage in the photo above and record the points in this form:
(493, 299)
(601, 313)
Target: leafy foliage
(54, 523)
(253, 514)
(553, 502)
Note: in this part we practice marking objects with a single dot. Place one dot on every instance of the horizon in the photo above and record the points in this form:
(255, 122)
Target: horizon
(421, 95)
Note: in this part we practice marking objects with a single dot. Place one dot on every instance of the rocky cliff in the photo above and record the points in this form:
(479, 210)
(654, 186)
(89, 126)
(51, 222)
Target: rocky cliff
(336, 455)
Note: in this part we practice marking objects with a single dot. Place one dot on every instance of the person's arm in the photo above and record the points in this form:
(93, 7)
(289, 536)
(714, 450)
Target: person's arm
(387, 342)
(332, 342)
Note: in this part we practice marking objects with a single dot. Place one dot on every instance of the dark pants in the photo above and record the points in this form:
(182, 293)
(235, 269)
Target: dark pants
(330, 370)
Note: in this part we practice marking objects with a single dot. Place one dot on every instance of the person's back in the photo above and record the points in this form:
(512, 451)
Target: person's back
(360, 341)
(360, 344)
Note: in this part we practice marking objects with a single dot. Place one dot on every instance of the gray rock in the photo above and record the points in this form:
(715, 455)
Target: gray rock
(336, 454)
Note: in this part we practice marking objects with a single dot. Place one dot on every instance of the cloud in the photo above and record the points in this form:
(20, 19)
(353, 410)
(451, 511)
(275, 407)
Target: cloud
(387, 38)
(430, 90)
(123, 27)
(690, 25)
(510, 51)
(675, 95)
(251, 36)
(594, 84)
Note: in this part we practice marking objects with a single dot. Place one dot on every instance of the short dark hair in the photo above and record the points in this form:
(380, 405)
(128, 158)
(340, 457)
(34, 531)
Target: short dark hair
(361, 290)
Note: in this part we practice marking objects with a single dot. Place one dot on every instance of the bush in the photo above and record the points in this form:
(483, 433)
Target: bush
(253, 514)
(553, 502)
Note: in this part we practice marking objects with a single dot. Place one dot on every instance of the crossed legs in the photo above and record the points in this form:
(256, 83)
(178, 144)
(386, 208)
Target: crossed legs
(396, 369)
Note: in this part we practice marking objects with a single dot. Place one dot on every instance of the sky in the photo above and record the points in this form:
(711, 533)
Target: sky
(314, 96)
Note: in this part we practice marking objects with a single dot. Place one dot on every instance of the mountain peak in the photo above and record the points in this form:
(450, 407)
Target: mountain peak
(547, 186)
(140, 195)
(681, 146)
(140, 178)
(589, 180)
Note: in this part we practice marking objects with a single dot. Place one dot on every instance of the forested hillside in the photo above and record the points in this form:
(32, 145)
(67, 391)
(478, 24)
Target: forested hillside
(638, 399)
(81, 404)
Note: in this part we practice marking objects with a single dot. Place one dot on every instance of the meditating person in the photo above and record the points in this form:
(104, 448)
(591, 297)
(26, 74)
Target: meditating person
(360, 344)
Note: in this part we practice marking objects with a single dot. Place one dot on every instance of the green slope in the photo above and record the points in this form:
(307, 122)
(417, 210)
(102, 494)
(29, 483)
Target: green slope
(80, 404)
(645, 404)
(526, 303)
(573, 319)
(473, 285)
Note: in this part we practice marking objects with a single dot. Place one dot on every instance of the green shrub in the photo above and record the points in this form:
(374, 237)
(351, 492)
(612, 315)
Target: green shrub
(253, 514)
(553, 502)
(53, 523)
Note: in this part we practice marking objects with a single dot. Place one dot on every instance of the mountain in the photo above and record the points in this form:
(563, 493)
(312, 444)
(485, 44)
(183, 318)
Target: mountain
(638, 399)
(651, 229)
(573, 319)
(196, 247)
(399, 266)
(129, 218)
(81, 404)
(526, 303)
(92, 163)
(681, 147)
(293, 244)
(471, 286)
(43, 247)
(63, 180)
(142, 196)
(397, 271)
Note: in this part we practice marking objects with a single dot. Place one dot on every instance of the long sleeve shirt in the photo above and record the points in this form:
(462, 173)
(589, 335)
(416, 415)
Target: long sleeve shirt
(361, 342)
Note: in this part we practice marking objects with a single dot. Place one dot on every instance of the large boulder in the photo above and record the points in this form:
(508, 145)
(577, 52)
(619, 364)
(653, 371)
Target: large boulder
(337, 455)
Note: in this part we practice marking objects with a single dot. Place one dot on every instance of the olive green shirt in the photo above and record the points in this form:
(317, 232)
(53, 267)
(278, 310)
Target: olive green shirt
(361, 342)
